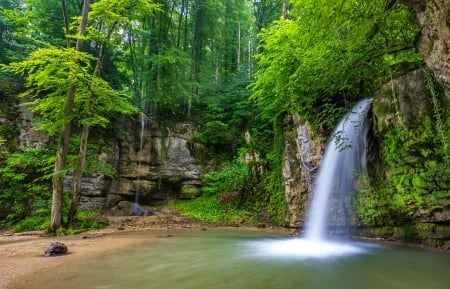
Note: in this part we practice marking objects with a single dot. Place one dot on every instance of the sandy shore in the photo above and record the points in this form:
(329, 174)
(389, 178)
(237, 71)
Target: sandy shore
(22, 260)
(22, 255)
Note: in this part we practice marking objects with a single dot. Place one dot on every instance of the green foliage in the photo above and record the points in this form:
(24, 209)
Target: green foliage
(276, 206)
(16, 35)
(95, 161)
(25, 186)
(85, 221)
(224, 195)
(208, 209)
(228, 114)
(233, 177)
(172, 95)
(437, 99)
(372, 204)
(271, 185)
(417, 177)
(32, 223)
(112, 14)
(328, 55)
(49, 74)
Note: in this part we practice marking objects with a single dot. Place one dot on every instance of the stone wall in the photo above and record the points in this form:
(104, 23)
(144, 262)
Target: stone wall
(433, 17)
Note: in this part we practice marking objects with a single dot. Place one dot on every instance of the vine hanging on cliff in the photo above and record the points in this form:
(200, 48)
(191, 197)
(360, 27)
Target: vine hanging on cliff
(430, 84)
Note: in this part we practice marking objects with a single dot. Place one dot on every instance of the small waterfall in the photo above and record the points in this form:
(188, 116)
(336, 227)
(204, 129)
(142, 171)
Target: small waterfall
(137, 210)
(344, 160)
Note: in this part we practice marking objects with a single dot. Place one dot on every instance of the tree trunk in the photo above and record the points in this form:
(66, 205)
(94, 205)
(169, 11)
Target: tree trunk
(197, 46)
(284, 12)
(64, 138)
(238, 60)
(78, 174)
(66, 22)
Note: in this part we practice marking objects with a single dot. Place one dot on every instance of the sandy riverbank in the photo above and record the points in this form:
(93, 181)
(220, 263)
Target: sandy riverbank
(22, 260)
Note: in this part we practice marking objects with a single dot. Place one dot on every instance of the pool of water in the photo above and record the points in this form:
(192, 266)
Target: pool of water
(235, 260)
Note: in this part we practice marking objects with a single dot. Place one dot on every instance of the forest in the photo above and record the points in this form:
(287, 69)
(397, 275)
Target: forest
(232, 68)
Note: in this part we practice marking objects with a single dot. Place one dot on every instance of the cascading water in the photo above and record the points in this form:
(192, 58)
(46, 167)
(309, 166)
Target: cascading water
(137, 210)
(344, 161)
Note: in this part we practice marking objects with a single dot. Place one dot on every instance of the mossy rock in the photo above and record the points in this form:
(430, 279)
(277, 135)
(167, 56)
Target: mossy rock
(189, 191)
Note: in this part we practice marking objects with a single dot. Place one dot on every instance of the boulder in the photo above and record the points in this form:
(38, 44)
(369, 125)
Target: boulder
(56, 249)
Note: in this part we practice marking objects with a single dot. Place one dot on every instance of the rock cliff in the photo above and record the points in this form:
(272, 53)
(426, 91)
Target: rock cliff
(156, 163)
(301, 160)
(433, 43)
(411, 188)
(408, 101)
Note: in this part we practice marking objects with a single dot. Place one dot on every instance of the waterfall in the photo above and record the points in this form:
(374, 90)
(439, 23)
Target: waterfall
(343, 162)
(137, 210)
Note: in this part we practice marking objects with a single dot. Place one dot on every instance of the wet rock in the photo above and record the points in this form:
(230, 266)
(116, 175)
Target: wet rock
(56, 249)
(301, 160)
(138, 210)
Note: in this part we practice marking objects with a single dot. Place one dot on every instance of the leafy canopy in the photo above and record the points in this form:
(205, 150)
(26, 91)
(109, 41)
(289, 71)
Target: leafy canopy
(329, 54)
(49, 73)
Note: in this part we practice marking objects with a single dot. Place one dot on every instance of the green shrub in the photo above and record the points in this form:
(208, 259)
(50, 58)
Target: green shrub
(25, 187)
(224, 196)
(208, 209)
(32, 223)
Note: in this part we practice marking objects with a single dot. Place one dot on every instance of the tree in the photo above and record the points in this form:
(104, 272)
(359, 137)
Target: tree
(110, 16)
(329, 54)
(50, 73)
(64, 137)
(66, 90)
(265, 12)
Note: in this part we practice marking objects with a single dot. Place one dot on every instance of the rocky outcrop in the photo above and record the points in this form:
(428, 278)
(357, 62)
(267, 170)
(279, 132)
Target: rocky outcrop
(404, 100)
(410, 201)
(301, 159)
(433, 43)
(29, 136)
(157, 164)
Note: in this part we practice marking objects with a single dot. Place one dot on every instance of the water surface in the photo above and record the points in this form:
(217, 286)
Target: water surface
(250, 260)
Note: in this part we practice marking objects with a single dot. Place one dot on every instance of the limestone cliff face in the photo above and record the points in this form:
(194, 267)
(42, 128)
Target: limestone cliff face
(161, 170)
(433, 17)
(301, 160)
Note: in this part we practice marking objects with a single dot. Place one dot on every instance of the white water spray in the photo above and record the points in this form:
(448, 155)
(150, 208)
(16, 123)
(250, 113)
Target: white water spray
(137, 210)
(344, 160)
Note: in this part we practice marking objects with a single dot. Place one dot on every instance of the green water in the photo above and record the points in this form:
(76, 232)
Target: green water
(234, 260)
